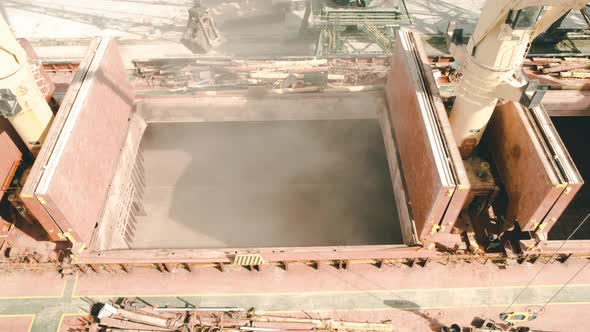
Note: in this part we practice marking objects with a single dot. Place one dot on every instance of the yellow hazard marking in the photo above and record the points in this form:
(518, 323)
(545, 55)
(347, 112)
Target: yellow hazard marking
(22, 315)
(30, 297)
(61, 319)
(67, 235)
(31, 323)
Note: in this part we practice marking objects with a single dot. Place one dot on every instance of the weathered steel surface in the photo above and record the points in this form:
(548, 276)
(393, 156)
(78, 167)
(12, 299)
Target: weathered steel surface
(454, 159)
(76, 190)
(563, 201)
(7, 128)
(43, 81)
(77, 176)
(9, 161)
(531, 182)
(580, 247)
(397, 179)
(310, 106)
(567, 102)
(28, 191)
(146, 256)
(427, 187)
(430, 160)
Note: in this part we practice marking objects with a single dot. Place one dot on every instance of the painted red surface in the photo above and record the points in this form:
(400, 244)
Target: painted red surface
(361, 277)
(70, 323)
(15, 323)
(11, 156)
(555, 318)
(31, 284)
(88, 159)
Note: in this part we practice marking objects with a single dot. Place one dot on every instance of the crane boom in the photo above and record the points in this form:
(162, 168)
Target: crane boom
(492, 60)
(31, 116)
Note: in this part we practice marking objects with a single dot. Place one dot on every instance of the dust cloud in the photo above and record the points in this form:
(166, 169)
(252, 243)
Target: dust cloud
(266, 184)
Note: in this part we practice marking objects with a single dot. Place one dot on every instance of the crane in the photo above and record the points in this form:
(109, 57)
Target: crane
(491, 65)
(31, 115)
(491, 62)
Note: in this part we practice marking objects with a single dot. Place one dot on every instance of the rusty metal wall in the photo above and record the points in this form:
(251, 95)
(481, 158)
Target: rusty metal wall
(28, 195)
(75, 179)
(43, 81)
(11, 157)
(397, 179)
(437, 184)
(538, 175)
(530, 182)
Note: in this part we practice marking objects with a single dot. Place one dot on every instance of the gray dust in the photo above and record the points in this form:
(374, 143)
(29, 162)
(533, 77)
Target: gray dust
(266, 184)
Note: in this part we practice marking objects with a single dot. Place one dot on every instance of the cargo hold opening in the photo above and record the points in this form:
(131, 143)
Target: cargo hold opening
(272, 174)
(265, 184)
(574, 133)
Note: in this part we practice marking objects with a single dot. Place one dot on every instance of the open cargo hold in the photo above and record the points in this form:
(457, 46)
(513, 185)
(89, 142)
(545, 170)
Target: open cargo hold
(574, 130)
(330, 176)
(282, 176)
(200, 173)
(262, 183)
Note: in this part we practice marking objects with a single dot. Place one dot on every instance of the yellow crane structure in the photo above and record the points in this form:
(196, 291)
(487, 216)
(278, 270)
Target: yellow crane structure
(492, 60)
(31, 115)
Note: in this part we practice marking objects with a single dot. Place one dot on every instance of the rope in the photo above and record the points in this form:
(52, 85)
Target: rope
(542, 267)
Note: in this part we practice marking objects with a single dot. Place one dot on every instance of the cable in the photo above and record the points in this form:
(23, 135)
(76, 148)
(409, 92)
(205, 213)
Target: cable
(542, 267)
(565, 285)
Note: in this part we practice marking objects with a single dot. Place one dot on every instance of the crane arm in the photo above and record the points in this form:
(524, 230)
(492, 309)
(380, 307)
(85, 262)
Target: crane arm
(32, 115)
(495, 12)
(491, 62)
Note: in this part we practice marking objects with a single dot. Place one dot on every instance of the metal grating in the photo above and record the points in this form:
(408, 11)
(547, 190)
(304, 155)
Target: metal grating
(130, 206)
(124, 203)
(248, 259)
